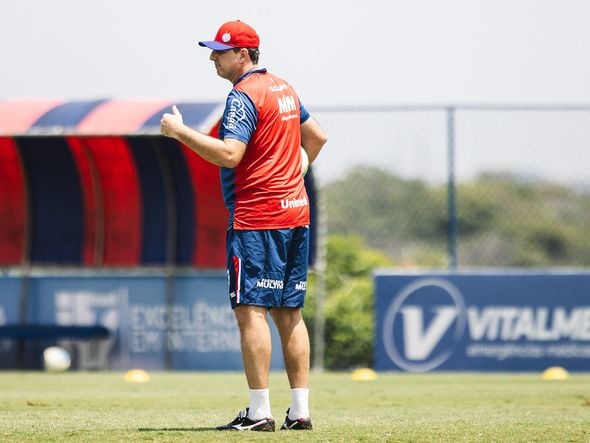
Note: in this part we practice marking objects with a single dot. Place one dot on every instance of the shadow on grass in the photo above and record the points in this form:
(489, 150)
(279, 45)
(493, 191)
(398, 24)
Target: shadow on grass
(175, 429)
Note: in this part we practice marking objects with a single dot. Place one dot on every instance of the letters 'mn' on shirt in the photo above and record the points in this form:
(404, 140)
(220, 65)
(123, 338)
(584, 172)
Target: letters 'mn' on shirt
(266, 189)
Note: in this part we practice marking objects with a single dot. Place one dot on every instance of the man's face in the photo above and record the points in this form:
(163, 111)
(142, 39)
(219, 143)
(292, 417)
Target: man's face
(227, 63)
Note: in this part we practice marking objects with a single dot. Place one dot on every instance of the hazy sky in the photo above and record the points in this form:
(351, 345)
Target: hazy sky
(334, 53)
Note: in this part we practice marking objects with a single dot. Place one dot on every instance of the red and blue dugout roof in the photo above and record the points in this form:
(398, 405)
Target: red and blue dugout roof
(93, 183)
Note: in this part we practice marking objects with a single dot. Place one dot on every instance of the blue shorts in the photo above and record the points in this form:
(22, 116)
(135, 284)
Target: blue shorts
(268, 267)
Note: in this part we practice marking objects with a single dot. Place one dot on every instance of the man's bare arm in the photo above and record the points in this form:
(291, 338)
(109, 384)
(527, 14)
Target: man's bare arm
(227, 153)
(313, 138)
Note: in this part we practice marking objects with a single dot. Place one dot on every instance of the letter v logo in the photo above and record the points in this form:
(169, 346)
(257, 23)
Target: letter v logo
(419, 342)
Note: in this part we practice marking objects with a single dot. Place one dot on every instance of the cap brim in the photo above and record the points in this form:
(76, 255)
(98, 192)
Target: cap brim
(215, 45)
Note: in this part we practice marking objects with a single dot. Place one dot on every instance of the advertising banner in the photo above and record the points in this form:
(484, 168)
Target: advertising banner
(155, 322)
(10, 288)
(482, 321)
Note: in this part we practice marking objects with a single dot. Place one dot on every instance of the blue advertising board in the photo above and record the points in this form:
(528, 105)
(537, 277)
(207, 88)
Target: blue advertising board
(10, 288)
(155, 321)
(512, 321)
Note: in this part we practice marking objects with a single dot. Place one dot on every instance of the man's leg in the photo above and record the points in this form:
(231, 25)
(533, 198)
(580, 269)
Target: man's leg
(256, 348)
(295, 344)
(252, 322)
(256, 351)
(256, 344)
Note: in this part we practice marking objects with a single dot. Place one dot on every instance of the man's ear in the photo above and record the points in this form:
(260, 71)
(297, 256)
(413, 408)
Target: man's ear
(244, 54)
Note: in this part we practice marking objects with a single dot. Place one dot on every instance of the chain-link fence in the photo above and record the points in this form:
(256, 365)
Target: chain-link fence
(460, 186)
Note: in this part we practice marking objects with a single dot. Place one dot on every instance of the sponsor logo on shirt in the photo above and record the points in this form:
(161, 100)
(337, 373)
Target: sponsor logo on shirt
(278, 88)
(293, 203)
(286, 104)
(235, 114)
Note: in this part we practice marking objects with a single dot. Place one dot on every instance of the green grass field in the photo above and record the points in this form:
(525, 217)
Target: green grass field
(184, 406)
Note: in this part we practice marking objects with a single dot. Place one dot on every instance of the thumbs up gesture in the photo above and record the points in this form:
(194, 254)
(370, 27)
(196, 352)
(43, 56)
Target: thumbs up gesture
(170, 123)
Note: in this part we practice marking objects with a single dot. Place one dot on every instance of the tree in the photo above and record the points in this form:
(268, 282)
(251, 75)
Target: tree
(502, 219)
(349, 307)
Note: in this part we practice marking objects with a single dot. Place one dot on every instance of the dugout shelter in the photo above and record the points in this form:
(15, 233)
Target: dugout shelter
(94, 184)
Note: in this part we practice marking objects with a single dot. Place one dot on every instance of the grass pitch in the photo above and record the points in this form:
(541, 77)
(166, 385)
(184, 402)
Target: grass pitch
(184, 406)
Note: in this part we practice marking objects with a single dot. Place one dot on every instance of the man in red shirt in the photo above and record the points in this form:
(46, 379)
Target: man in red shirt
(263, 128)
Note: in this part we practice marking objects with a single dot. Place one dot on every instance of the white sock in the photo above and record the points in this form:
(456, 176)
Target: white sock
(299, 403)
(259, 404)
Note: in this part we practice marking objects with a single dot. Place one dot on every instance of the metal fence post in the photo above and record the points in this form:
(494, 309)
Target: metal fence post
(321, 290)
(171, 248)
(451, 192)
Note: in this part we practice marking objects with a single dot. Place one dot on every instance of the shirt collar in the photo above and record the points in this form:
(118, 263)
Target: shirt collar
(252, 71)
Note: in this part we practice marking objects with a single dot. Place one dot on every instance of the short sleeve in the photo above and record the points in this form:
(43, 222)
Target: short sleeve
(303, 114)
(239, 117)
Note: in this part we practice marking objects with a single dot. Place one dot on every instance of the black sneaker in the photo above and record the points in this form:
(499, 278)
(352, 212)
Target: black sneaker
(243, 423)
(297, 425)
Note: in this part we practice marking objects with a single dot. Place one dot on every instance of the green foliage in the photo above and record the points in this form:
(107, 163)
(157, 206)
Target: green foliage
(502, 220)
(349, 325)
(522, 224)
(386, 211)
(349, 258)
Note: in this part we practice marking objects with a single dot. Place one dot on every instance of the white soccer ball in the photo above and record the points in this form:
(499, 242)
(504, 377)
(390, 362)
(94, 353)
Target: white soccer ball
(56, 359)
(304, 162)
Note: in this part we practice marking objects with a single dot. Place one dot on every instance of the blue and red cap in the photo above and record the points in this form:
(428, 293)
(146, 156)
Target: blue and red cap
(234, 34)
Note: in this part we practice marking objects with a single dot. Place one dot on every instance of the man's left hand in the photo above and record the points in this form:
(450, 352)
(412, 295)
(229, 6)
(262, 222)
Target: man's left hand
(171, 122)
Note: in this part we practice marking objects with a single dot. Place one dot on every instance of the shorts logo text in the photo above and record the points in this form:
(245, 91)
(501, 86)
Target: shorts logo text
(269, 283)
